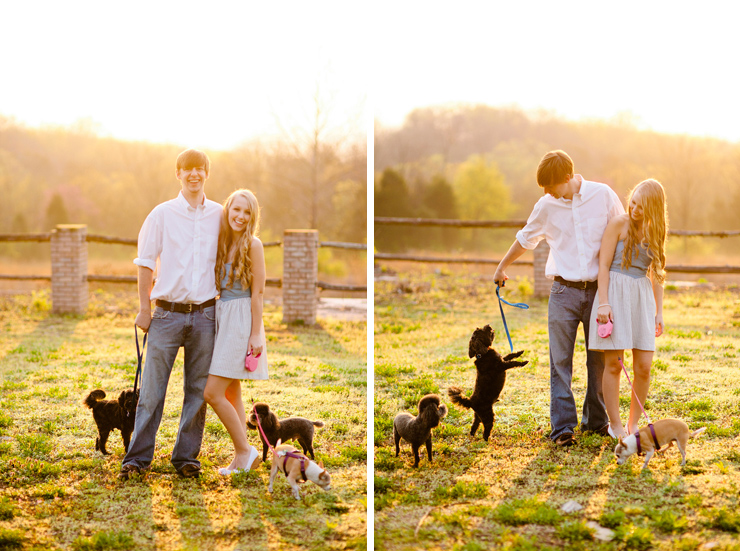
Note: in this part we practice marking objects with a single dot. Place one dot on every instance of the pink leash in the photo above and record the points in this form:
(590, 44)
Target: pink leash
(650, 423)
(259, 425)
(604, 331)
(289, 454)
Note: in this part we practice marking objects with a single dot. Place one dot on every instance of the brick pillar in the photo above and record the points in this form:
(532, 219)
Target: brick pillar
(541, 283)
(300, 274)
(69, 269)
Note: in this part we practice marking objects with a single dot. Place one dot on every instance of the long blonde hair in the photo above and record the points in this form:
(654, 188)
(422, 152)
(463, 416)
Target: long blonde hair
(654, 227)
(241, 267)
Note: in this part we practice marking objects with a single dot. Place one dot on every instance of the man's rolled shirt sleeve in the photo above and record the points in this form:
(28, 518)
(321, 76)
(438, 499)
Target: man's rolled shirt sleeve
(150, 242)
(534, 232)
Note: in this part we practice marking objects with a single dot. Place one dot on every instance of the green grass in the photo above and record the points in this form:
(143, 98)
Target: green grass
(57, 492)
(526, 511)
(104, 541)
(11, 539)
(507, 492)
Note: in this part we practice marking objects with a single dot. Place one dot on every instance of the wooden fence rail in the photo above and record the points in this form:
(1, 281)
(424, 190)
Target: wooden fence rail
(69, 275)
(450, 222)
(541, 286)
(444, 259)
(38, 237)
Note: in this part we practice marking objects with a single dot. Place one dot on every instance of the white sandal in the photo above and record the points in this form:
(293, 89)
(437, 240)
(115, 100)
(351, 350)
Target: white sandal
(253, 460)
(253, 463)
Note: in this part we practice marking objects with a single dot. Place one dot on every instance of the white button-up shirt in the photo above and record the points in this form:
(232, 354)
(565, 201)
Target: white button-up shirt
(573, 228)
(178, 243)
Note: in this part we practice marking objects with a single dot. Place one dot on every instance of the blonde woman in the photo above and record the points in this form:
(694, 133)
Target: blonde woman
(240, 279)
(631, 278)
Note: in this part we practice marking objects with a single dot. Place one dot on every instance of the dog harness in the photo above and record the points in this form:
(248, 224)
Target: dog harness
(655, 439)
(294, 455)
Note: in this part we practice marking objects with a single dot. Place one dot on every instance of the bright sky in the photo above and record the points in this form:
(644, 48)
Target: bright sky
(138, 69)
(200, 74)
(673, 65)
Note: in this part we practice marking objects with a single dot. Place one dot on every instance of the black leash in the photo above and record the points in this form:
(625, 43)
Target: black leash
(139, 359)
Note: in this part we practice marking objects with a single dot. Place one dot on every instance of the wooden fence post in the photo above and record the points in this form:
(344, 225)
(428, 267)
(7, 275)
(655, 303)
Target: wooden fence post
(541, 283)
(300, 275)
(69, 269)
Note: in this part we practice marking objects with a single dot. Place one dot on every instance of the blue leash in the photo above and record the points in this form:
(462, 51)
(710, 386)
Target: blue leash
(515, 305)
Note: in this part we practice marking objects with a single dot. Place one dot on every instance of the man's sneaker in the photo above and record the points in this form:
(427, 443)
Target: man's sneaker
(565, 439)
(189, 471)
(606, 430)
(128, 470)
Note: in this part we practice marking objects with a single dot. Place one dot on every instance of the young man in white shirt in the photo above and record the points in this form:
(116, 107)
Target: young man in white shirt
(571, 216)
(179, 239)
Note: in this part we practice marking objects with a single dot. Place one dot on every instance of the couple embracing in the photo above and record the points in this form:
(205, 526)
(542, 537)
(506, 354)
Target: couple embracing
(607, 266)
(200, 249)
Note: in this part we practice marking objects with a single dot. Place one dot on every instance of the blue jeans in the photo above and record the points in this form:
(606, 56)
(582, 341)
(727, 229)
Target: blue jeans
(167, 333)
(567, 308)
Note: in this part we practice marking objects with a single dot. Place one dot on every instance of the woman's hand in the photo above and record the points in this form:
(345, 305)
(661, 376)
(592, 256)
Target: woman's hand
(659, 325)
(255, 345)
(604, 314)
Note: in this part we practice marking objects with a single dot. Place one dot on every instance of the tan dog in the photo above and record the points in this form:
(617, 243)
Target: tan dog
(291, 467)
(666, 430)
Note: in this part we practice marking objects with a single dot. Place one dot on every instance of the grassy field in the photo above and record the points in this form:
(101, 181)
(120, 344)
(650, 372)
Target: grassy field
(57, 492)
(507, 493)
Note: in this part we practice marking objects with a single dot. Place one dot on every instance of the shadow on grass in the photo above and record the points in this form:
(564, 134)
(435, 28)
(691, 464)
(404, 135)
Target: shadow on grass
(49, 334)
(191, 510)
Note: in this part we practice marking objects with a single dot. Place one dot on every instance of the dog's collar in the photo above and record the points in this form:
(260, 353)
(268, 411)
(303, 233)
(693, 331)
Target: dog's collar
(478, 356)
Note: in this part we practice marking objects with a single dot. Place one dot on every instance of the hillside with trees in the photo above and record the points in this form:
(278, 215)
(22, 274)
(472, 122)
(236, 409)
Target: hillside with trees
(478, 162)
(56, 175)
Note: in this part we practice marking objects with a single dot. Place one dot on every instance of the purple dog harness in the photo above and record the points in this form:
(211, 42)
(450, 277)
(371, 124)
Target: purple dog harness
(295, 455)
(655, 439)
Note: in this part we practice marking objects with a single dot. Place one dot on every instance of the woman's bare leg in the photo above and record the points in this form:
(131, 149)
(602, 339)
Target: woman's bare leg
(610, 389)
(642, 360)
(234, 395)
(215, 395)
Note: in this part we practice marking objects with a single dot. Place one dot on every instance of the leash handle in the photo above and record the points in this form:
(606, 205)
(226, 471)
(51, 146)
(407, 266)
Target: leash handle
(503, 317)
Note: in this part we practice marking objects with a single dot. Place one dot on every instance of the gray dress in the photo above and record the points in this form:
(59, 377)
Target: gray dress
(633, 306)
(233, 329)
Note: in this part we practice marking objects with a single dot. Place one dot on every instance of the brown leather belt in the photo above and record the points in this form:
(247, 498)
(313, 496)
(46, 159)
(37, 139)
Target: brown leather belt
(185, 308)
(578, 284)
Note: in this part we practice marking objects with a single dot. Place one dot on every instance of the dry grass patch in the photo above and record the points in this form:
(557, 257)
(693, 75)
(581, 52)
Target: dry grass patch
(56, 492)
(507, 493)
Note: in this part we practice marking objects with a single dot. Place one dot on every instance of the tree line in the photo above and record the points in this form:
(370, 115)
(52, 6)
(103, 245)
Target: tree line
(479, 162)
(71, 175)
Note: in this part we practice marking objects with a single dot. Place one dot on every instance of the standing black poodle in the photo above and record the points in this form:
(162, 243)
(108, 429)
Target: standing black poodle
(113, 414)
(489, 380)
(418, 430)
